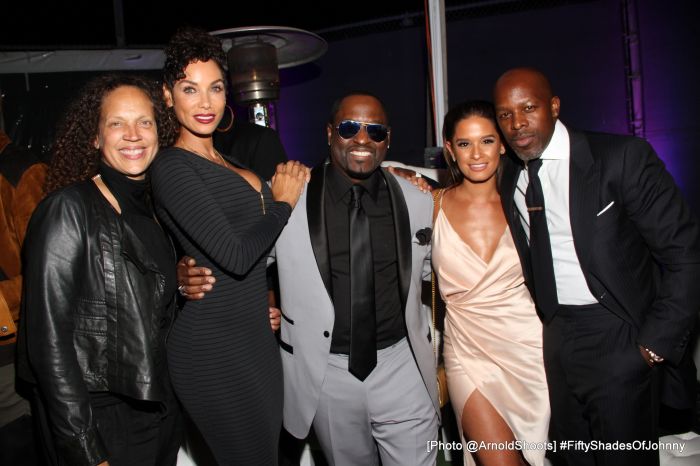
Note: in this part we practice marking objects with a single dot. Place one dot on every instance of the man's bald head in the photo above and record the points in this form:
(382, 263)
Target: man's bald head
(527, 110)
(531, 76)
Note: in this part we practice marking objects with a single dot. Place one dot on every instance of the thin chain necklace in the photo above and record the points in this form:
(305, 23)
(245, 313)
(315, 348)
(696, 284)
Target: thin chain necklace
(222, 161)
(218, 159)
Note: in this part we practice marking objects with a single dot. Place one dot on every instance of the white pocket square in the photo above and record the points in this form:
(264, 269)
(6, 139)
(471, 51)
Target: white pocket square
(604, 209)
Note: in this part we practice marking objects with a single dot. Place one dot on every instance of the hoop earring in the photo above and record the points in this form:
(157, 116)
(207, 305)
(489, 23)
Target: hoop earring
(223, 130)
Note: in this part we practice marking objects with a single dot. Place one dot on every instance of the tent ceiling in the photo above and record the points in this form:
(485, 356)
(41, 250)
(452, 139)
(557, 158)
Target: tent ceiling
(91, 24)
(89, 35)
(104, 24)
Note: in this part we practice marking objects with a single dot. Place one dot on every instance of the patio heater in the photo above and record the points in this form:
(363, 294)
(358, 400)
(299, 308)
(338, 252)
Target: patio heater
(256, 54)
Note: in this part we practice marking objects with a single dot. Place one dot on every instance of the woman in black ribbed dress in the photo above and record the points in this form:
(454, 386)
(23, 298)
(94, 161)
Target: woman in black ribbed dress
(223, 357)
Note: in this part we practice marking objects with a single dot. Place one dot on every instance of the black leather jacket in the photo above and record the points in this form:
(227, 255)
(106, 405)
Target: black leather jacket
(94, 315)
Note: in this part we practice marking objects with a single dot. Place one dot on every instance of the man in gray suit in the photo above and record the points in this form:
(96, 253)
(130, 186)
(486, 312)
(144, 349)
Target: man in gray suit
(344, 292)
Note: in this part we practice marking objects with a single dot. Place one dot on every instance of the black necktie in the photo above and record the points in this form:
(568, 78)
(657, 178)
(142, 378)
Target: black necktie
(363, 333)
(540, 248)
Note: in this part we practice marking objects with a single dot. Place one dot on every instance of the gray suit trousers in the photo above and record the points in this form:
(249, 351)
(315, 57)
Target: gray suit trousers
(389, 414)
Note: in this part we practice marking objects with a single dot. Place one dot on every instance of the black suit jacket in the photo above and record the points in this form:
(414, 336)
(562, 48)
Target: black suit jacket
(641, 257)
(252, 146)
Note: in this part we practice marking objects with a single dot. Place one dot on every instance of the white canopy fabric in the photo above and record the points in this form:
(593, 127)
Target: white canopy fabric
(55, 61)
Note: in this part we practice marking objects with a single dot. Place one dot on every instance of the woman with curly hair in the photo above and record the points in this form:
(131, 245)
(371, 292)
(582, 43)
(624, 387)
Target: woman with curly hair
(224, 360)
(99, 286)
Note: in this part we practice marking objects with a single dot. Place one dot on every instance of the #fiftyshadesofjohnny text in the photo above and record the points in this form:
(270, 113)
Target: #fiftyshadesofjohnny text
(563, 445)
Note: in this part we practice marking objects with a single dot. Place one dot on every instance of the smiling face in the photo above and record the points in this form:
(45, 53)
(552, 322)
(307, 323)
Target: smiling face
(476, 148)
(359, 156)
(127, 134)
(526, 111)
(199, 99)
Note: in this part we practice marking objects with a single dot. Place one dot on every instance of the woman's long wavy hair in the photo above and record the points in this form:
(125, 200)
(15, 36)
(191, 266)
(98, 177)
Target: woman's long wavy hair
(459, 112)
(74, 156)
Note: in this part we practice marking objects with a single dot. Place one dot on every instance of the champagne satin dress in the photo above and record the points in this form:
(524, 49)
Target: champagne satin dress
(493, 336)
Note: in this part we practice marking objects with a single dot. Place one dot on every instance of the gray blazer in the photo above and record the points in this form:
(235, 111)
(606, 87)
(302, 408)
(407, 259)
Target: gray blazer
(307, 309)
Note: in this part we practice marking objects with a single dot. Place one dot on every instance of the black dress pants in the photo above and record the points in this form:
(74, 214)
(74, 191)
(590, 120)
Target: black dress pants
(135, 433)
(601, 390)
(139, 434)
(17, 443)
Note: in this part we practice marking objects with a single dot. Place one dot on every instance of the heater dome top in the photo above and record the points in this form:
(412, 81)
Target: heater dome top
(294, 46)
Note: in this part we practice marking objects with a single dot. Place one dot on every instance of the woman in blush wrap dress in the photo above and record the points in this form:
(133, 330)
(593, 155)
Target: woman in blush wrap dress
(493, 336)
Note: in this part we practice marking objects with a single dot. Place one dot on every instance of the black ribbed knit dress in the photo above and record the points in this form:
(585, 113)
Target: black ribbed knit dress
(223, 356)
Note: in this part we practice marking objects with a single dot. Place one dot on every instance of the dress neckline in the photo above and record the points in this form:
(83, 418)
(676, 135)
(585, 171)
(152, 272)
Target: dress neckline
(443, 215)
(236, 165)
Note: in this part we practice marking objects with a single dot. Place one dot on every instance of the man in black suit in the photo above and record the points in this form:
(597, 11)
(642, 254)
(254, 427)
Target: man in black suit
(611, 254)
(255, 147)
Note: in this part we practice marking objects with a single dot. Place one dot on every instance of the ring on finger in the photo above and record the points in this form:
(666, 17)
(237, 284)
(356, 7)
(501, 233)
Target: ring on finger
(181, 290)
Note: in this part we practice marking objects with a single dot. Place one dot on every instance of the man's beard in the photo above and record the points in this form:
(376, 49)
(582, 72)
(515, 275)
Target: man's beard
(359, 175)
(528, 157)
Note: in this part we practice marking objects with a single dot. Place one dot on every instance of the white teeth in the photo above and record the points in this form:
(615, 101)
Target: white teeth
(132, 152)
(360, 153)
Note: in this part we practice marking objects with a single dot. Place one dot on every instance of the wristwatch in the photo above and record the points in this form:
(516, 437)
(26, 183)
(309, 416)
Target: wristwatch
(653, 357)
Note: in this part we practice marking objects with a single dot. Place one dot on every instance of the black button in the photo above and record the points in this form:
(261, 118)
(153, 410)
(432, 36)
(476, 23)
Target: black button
(326, 334)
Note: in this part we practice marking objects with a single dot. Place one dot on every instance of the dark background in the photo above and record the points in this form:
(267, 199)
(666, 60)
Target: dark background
(381, 47)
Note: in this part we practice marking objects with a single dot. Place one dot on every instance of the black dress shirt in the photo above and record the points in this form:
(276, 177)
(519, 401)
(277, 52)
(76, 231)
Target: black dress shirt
(377, 205)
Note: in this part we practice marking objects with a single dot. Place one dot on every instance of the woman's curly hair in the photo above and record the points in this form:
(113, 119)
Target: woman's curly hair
(75, 157)
(189, 45)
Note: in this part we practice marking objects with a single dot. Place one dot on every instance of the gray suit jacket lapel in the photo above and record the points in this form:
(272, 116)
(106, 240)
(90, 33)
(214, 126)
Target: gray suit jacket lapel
(402, 228)
(316, 215)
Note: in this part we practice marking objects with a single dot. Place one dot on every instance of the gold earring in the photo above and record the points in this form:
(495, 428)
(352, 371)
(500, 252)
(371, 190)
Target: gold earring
(223, 130)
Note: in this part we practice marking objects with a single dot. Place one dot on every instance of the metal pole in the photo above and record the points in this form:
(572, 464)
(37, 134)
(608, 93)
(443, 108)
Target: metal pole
(438, 49)
(119, 23)
(633, 69)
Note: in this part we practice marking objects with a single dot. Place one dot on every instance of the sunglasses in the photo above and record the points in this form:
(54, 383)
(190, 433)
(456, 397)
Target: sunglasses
(349, 128)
